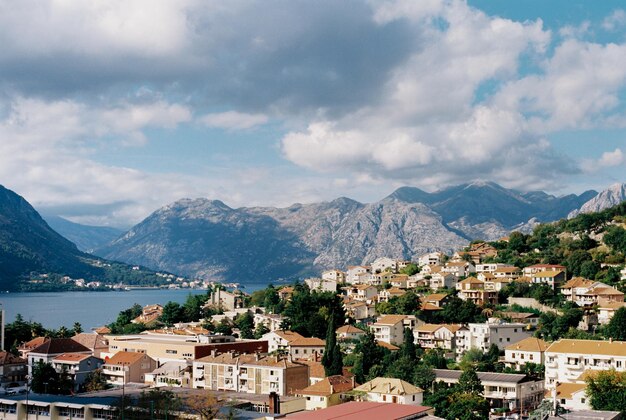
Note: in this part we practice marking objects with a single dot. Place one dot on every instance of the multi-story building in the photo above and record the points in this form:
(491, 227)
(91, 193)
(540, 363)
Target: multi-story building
(362, 292)
(432, 258)
(566, 360)
(353, 273)
(250, 373)
(538, 268)
(13, 369)
(390, 328)
(359, 310)
(443, 336)
(280, 339)
(528, 350)
(587, 293)
(306, 347)
(442, 281)
(607, 310)
(327, 392)
(52, 348)
(391, 390)
(384, 264)
(474, 290)
(459, 268)
(386, 294)
(349, 332)
(553, 278)
(321, 285)
(494, 331)
(508, 390)
(126, 367)
(78, 366)
(337, 276)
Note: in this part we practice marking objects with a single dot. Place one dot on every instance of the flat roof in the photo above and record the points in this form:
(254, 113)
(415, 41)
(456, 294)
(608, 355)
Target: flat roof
(483, 376)
(363, 410)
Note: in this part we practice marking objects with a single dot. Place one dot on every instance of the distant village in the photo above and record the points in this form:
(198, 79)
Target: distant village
(271, 371)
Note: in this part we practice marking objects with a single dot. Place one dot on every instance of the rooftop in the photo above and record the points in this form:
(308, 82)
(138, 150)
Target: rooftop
(363, 410)
(389, 386)
(442, 374)
(529, 344)
(609, 348)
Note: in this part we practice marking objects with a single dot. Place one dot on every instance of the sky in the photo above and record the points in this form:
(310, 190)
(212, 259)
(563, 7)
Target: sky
(112, 109)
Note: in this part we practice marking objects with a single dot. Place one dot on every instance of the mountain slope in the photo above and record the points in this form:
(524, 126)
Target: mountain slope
(610, 197)
(86, 238)
(28, 244)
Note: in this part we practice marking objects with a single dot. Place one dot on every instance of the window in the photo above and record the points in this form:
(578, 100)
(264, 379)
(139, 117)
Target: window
(582, 400)
(508, 339)
(171, 351)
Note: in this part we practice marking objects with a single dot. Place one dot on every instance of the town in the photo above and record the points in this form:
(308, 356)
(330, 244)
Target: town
(393, 339)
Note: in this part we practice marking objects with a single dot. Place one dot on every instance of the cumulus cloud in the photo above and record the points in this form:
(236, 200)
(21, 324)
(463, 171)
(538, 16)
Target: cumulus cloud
(615, 20)
(614, 158)
(233, 120)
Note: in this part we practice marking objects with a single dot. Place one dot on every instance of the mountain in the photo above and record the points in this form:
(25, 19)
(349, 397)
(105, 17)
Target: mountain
(86, 238)
(28, 244)
(610, 197)
(204, 238)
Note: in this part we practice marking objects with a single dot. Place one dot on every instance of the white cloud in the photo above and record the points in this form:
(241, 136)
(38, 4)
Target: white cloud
(232, 120)
(615, 20)
(614, 158)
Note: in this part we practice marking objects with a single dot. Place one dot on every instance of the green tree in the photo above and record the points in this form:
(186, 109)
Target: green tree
(423, 376)
(332, 358)
(370, 353)
(616, 328)
(468, 406)
(607, 390)
(44, 379)
(95, 381)
(260, 330)
(469, 382)
(157, 403)
(224, 327)
(408, 345)
(77, 328)
(245, 323)
(172, 313)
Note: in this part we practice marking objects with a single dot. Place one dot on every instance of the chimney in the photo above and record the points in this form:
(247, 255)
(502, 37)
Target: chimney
(213, 352)
(388, 387)
(274, 403)
(332, 388)
(610, 339)
(256, 356)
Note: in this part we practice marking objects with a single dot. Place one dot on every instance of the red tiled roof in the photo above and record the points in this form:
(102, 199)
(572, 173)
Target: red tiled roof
(364, 410)
(59, 346)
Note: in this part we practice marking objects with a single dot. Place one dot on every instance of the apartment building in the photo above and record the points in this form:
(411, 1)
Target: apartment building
(528, 350)
(321, 285)
(508, 390)
(553, 278)
(494, 331)
(57, 407)
(52, 348)
(279, 339)
(566, 360)
(391, 390)
(334, 275)
(77, 365)
(443, 336)
(475, 290)
(126, 367)
(459, 268)
(353, 273)
(250, 373)
(442, 281)
(587, 293)
(170, 348)
(306, 347)
(361, 292)
(390, 328)
(538, 268)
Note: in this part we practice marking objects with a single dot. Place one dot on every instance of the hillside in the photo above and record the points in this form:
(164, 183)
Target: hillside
(86, 238)
(208, 239)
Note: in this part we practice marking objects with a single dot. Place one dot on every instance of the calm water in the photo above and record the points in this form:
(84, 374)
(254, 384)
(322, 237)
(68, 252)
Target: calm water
(91, 309)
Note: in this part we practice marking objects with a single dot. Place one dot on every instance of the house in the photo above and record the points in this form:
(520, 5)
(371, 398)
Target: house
(349, 332)
(279, 339)
(390, 328)
(126, 367)
(305, 347)
(362, 292)
(97, 343)
(528, 350)
(607, 310)
(327, 392)
(359, 310)
(442, 281)
(570, 396)
(489, 267)
(477, 252)
(384, 264)
(171, 374)
(321, 285)
(273, 322)
(494, 331)
(12, 369)
(285, 293)
(250, 373)
(337, 276)
(527, 318)
(552, 278)
(475, 290)
(436, 299)
(386, 294)
(52, 348)
(77, 365)
(391, 390)
(459, 268)
(366, 410)
(432, 258)
(430, 336)
(538, 268)
(587, 293)
(353, 273)
(149, 314)
(507, 271)
(26, 347)
(228, 301)
(502, 390)
(567, 359)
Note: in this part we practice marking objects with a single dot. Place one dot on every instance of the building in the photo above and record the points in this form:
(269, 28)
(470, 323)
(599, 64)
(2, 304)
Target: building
(354, 272)
(327, 392)
(384, 264)
(150, 314)
(78, 366)
(171, 374)
(494, 331)
(432, 258)
(607, 310)
(553, 278)
(52, 348)
(502, 390)
(436, 299)
(366, 410)
(12, 369)
(228, 301)
(386, 294)
(442, 281)
(570, 396)
(361, 292)
(57, 407)
(26, 347)
(587, 293)
(126, 367)
(321, 285)
(349, 332)
(391, 390)
(528, 350)
(337, 276)
(173, 347)
(538, 268)
(566, 360)
(279, 339)
(306, 347)
(527, 318)
(97, 343)
(431, 336)
(459, 268)
(359, 310)
(475, 290)
(250, 373)
(390, 328)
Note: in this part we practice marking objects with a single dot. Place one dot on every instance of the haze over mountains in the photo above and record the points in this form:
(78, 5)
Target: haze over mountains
(206, 238)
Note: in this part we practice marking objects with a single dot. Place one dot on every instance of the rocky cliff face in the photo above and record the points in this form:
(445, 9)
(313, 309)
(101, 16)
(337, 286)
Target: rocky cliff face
(204, 238)
(610, 197)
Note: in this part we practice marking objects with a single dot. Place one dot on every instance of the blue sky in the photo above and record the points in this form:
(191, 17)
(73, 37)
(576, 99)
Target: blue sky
(112, 109)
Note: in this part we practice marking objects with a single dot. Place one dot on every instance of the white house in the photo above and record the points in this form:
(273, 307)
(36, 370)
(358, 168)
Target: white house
(279, 339)
(334, 275)
(391, 390)
(353, 273)
(390, 328)
(321, 285)
(528, 350)
(384, 264)
(494, 331)
(566, 359)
